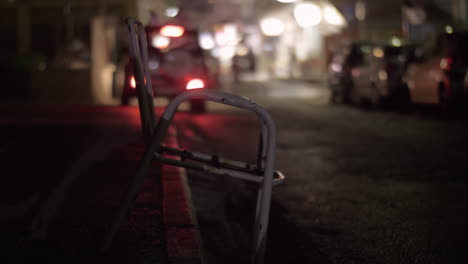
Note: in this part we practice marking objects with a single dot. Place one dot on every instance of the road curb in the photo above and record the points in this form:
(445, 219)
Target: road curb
(183, 242)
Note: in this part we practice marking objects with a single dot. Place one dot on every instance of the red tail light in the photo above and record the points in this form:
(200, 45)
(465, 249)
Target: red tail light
(172, 31)
(195, 84)
(132, 82)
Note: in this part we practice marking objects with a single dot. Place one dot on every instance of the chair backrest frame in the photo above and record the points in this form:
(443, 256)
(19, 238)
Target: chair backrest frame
(154, 136)
(139, 56)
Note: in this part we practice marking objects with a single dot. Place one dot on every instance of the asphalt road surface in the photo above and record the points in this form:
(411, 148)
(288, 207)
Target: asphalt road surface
(363, 185)
(64, 172)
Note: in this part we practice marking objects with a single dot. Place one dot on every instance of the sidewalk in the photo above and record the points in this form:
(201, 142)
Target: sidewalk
(160, 226)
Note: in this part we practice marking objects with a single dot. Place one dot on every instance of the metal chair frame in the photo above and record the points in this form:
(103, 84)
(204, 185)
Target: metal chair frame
(261, 174)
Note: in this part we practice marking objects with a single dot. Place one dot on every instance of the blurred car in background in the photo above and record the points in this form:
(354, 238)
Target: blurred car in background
(376, 79)
(437, 74)
(243, 62)
(177, 63)
(347, 57)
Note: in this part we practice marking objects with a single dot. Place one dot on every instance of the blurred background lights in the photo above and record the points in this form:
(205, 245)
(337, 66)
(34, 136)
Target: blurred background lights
(172, 31)
(307, 14)
(332, 16)
(272, 26)
(448, 29)
(206, 41)
(242, 50)
(286, 1)
(160, 42)
(336, 67)
(172, 11)
(226, 34)
(383, 75)
(360, 10)
(227, 51)
(378, 52)
(153, 65)
(396, 42)
(230, 34)
(215, 52)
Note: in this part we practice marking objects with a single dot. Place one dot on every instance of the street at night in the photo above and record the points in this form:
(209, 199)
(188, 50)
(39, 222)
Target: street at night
(226, 132)
(363, 186)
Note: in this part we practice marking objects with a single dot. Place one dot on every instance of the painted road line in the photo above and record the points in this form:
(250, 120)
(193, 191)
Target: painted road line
(182, 233)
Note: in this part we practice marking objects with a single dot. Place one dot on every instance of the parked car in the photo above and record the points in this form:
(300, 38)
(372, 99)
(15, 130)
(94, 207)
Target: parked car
(176, 62)
(376, 80)
(243, 61)
(347, 57)
(437, 74)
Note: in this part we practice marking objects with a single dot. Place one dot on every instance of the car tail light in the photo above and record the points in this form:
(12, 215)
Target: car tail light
(132, 82)
(172, 31)
(195, 84)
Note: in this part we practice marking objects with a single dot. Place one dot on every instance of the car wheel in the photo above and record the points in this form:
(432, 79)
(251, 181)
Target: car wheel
(197, 106)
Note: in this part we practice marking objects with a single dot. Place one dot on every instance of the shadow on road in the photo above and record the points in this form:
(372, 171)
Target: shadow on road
(226, 234)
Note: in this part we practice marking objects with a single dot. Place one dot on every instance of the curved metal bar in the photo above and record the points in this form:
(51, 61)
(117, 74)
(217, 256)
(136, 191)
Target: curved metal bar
(148, 92)
(155, 135)
(265, 191)
(139, 55)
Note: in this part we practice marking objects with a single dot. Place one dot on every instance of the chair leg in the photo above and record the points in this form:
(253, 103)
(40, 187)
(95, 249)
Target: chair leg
(258, 241)
(129, 198)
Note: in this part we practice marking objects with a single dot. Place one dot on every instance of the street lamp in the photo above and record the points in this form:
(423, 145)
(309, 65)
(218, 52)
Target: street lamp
(272, 26)
(172, 11)
(307, 14)
(332, 16)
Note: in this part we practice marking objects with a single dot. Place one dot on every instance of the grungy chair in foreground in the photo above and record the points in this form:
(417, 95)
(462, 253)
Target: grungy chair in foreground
(261, 174)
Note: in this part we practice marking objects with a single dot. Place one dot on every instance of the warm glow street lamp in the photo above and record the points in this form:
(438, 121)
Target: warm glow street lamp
(307, 14)
(272, 26)
(332, 16)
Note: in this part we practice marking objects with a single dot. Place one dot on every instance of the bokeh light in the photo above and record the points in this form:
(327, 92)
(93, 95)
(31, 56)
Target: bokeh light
(272, 26)
(307, 14)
